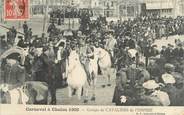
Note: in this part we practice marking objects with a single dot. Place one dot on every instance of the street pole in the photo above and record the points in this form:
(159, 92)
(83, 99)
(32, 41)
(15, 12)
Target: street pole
(103, 10)
(19, 25)
(64, 15)
(45, 17)
(73, 22)
(126, 10)
(69, 18)
(1, 9)
(117, 10)
(69, 22)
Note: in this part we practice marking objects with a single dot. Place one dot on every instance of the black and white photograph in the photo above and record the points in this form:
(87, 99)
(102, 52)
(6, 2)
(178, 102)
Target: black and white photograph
(94, 53)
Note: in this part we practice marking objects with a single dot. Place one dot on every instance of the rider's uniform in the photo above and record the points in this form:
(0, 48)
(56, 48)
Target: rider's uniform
(110, 44)
(92, 56)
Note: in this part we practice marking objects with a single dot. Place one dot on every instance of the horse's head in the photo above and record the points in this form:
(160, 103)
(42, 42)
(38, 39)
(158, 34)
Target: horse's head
(73, 60)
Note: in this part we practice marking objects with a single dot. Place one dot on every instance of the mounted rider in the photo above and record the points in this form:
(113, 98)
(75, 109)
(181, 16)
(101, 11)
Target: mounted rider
(60, 61)
(110, 43)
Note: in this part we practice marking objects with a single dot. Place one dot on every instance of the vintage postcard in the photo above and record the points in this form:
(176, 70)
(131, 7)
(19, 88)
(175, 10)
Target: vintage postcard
(92, 57)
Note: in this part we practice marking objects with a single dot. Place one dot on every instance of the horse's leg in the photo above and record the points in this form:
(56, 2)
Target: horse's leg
(53, 96)
(108, 77)
(104, 76)
(69, 91)
(79, 91)
(94, 88)
(108, 80)
(6, 98)
(86, 92)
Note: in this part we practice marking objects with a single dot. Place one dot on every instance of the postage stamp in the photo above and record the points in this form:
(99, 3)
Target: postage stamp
(16, 9)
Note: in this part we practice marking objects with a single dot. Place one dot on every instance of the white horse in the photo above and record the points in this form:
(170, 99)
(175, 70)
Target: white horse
(104, 61)
(76, 75)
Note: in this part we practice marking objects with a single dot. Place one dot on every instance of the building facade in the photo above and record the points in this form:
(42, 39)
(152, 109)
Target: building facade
(180, 8)
(168, 8)
(84, 4)
(129, 8)
(116, 8)
(38, 6)
(108, 8)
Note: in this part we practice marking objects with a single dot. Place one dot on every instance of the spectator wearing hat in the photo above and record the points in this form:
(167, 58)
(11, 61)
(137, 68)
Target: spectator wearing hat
(169, 53)
(172, 91)
(37, 42)
(145, 99)
(178, 52)
(180, 91)
(51, 29)
(14, 76)
(143, 75)
(51, 53)
(25, 27)
(44, 38)
(154, 51)
(167, 77)
(132, 72)
(149, 52)
(142, 43)
(3, 44)
(48, 70)
(10, 38)
(110, 45)
(173, 82)
(14, 33)
(21, 42)
(153, 89)
(167, 30)
(38, 68)
(59, 21)
(60, 62)
(131, 43)
(121, 82)
(162, 52)
(124, 94)
(29, 35)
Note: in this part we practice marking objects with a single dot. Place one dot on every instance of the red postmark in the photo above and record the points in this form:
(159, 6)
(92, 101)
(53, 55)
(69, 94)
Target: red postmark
(16, 9)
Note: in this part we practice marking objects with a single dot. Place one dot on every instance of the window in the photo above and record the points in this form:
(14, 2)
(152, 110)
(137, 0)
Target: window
(182, 8)
(112, 4)
(168, 11)
(107, 4)
(72, 3)
(122, 10)
(130, 10)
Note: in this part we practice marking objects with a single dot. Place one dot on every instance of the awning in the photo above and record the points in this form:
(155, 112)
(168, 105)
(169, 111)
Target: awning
(159, 5)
